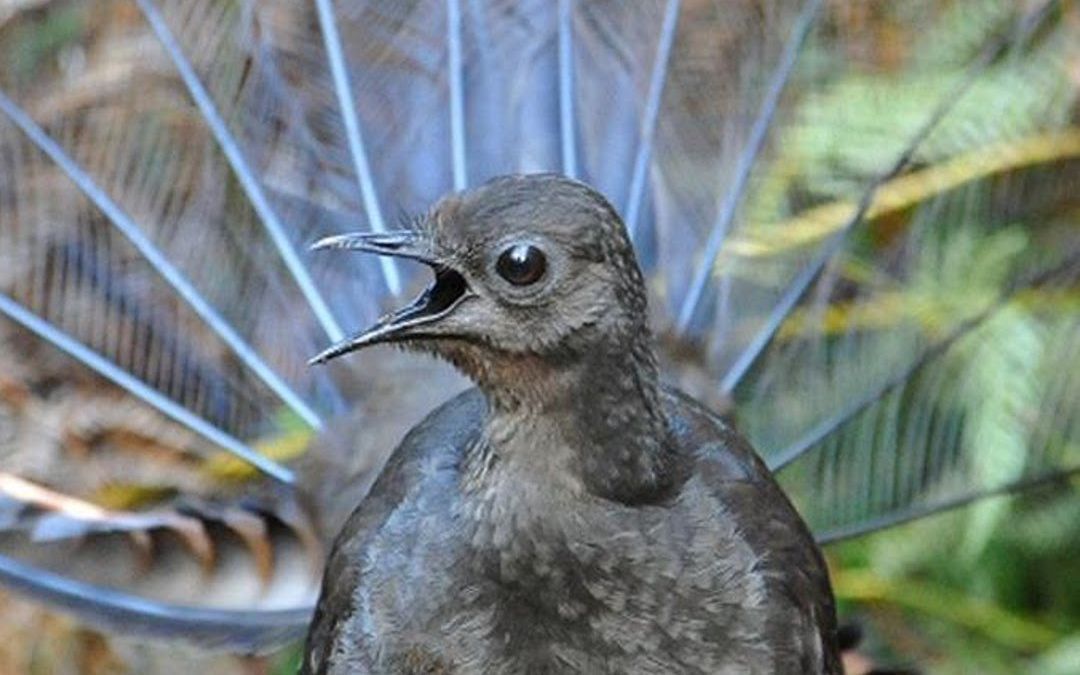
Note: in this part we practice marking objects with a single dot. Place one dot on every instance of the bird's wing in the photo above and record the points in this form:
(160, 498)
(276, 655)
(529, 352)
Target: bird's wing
(768, 523)
(436, 442)
(164, 164)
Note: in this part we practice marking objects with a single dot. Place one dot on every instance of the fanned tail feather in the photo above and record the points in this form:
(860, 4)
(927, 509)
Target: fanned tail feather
(239, 631)
(156, 203)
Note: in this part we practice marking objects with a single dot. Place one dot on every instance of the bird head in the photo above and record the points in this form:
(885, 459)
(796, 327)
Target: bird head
(526, 268)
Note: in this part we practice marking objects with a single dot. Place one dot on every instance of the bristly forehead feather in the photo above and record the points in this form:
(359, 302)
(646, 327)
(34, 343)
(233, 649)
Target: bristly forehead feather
(566, 211)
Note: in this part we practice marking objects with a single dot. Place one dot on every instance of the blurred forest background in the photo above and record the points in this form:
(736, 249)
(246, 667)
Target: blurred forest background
(990, 587)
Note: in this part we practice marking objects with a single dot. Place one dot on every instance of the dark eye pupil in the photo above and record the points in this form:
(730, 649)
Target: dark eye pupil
(521, 264)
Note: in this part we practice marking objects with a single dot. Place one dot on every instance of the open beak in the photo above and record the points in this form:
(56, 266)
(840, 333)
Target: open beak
(414, 320)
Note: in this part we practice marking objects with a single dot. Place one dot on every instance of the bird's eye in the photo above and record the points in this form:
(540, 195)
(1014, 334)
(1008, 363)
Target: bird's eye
(521, 264)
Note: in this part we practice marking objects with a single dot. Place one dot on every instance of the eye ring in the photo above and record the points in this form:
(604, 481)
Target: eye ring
(522, 264)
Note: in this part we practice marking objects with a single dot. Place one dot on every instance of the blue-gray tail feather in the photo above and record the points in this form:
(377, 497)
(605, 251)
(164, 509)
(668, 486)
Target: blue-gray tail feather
(156, 231)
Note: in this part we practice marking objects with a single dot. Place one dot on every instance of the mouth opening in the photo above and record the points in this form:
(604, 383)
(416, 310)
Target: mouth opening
(448, 288)
(443, 293)
(420, 318)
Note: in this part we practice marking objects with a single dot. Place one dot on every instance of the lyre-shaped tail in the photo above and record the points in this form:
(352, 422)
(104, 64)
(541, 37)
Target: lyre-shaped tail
(845, 243)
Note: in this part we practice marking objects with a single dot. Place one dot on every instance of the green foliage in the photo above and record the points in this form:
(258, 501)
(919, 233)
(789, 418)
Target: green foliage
(990, 588)
(287, 661)
(1012, 606)
(37, 42)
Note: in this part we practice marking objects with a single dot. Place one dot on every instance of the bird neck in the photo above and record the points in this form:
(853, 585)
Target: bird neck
(586, 419)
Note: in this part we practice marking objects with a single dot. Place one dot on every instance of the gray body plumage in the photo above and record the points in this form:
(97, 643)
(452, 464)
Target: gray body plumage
(435, 574)
(570, 515)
